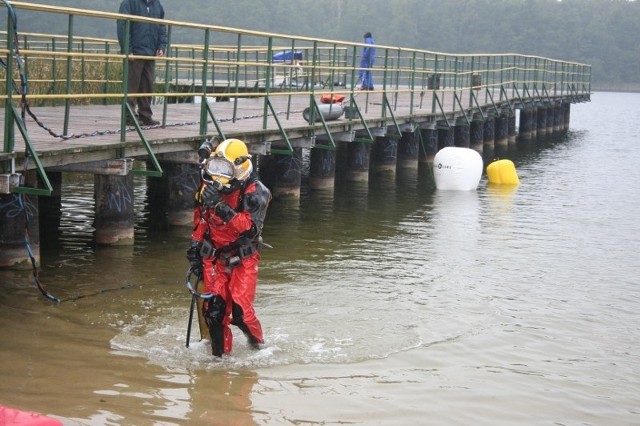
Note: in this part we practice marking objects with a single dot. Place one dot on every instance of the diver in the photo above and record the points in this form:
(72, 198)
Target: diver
(231, 206)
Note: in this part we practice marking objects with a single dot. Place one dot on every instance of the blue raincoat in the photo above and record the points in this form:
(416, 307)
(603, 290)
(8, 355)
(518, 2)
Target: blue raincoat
(366, 63)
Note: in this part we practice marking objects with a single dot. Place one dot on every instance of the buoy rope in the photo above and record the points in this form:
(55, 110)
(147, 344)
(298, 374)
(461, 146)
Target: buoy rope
(27, 242)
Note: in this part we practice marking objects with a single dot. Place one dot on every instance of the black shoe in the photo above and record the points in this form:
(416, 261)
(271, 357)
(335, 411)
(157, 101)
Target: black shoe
(254, 343)
(130, 122)
(149, 121)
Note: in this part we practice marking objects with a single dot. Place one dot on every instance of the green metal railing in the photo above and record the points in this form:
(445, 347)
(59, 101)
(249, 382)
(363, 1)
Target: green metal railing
(72, 69)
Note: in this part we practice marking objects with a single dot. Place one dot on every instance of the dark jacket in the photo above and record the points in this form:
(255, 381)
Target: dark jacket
(144, 38)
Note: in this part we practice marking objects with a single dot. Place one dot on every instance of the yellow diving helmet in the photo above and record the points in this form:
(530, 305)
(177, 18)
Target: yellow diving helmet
(230, 160)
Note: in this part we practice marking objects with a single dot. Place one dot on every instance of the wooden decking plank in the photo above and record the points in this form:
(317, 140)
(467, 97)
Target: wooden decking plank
(99, 125)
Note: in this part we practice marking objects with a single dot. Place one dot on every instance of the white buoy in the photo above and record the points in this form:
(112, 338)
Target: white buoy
(457, 169)
(329, 112)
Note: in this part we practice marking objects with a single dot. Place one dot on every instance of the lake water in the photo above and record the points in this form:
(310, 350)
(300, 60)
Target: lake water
(383, 303)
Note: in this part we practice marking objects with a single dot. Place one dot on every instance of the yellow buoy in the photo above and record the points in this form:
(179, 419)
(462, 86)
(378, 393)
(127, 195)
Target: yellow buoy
(502, 172)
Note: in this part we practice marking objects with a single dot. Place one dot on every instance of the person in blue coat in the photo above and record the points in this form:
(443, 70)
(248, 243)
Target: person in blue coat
(366, 63)
(145, 39)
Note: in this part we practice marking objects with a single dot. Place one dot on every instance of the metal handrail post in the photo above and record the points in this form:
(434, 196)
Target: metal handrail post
(397, 82)
(83, 75)
(167, 75)
(384, 82)
(472, 68)
(267, 81)
(435, 78)
(67, 102)
(125, 82)
(105, 84)
(9, 136)
(412, 83)
(237, 75)
(205, 64)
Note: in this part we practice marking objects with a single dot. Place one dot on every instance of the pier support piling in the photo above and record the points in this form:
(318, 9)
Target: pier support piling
(541, 121)
(461, 133)
(489, 131)
(50, 209)
(557, 118)
(526, 124)
(428, 145)
(476, 133)
(358, 158)
(502, 130)
(408, 150)
(512, 132)
(566, 114)
(113, 196)
(14, 216)
(445, 134)
(182, 181)
(385, 154)
(287, 174)
(322, 167)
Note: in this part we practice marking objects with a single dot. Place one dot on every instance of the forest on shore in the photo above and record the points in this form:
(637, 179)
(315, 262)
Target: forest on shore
(602, 33)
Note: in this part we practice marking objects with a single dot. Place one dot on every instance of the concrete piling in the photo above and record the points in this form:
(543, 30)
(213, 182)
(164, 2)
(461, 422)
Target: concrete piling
(385, 154)
(408, 150)
(428, 146)
(113, 196)
(322, 167)
(461, 133)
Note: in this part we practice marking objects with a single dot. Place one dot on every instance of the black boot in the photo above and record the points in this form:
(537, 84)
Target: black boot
(216, 332)
(238, 321)
(214, 315)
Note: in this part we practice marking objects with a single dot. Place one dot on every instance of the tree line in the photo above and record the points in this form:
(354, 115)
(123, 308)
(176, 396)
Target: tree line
(601, 33)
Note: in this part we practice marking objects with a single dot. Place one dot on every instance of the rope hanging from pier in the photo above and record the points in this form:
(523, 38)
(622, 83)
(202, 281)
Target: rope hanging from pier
(23, 92)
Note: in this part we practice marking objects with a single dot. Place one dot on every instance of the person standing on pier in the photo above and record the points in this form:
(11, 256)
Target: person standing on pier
(228, 218)
(366, 63)
(145, 39)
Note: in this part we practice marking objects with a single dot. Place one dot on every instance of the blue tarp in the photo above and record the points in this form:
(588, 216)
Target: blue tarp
(288, 55)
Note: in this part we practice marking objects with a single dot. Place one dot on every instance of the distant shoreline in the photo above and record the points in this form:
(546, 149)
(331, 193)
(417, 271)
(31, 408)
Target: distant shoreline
(616, 89)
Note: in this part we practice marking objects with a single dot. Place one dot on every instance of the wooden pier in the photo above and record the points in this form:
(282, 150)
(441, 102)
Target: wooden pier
(423, 101)
(94, 132)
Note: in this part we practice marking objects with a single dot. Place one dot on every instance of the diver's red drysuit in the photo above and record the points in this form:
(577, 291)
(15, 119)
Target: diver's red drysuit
(231, 272)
